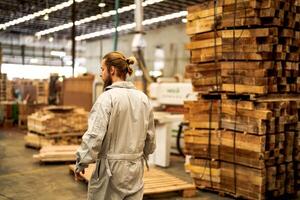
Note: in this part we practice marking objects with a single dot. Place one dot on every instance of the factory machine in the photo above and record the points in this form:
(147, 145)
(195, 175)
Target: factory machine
(167, 100)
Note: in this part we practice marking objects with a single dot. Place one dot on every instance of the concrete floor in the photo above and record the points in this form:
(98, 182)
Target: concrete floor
(21, 178)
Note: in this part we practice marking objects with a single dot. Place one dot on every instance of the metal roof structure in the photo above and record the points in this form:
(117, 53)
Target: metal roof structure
(14, 9)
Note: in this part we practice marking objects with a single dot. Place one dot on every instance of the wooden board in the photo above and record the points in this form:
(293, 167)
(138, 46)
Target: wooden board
(155, 182)
(57, 153)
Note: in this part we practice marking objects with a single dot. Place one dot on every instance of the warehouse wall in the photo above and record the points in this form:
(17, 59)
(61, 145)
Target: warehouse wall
(171, 38)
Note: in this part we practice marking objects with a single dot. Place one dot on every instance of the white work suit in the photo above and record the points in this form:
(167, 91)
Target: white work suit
(120, 136)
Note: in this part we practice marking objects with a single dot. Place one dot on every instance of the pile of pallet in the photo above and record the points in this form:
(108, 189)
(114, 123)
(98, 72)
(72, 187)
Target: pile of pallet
(25, 110)
(243, 131)
(42, 91)
(8, 113)
(56, 125)
(3, 81)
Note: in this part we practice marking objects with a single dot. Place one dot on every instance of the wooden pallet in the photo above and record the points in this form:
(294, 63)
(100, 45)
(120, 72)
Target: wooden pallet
(36, 140)
(155, 182)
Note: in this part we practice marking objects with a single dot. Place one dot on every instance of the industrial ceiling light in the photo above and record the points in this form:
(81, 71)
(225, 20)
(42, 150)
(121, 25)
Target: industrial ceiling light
(132, 25)
(184, 20)
(46, 17)
(102, 5)
(95, 17)
(38, 14)
(33, 60)
(58, 53)
(51, 39)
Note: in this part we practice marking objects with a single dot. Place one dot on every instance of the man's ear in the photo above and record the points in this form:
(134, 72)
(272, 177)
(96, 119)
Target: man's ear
(112, 70)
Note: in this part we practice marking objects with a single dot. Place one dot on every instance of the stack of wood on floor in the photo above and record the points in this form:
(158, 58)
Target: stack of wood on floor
(243, 131)
(42, 91)
(8, 113)
(25, 110)
(57, 153)
(297, 154)
(3, 81)
(56, 125)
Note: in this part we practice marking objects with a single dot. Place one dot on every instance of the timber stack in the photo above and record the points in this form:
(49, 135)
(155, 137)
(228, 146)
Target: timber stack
(243, 131)
(56, 125)
(3, 81)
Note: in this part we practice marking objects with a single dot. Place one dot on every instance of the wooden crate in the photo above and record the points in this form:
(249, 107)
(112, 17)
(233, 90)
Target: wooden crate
(155, 182)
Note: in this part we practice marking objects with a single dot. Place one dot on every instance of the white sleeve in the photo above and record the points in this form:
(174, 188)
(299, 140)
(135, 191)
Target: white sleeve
(97, 126)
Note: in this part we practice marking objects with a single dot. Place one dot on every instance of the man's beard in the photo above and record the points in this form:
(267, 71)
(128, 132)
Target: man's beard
(107, 82)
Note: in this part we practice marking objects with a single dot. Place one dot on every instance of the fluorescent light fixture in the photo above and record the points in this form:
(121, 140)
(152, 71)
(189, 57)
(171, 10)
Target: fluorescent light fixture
(95, 17)
(138, 72)
(46, 17)
(51, 39)
(34, 60)
(155, 73)
(58, 53)
(38, 14)
(132, 25)
(102, 5)
(184, 20)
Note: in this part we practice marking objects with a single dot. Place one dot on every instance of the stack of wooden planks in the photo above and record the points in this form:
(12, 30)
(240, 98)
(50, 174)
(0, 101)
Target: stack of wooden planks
(244, 128)
(260, 47)
(42, 91)
(56, 125)
(57, 153)
(58, 119)
(25, 110)
(3, 82)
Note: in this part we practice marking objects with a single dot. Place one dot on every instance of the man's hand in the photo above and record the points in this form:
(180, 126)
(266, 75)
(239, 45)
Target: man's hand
(78, 177)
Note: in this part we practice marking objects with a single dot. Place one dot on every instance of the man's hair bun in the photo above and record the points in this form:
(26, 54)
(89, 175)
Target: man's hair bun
(131, 60)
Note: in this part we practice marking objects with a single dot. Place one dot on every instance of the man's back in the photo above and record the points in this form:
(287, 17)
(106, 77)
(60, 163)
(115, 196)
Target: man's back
(128, 121)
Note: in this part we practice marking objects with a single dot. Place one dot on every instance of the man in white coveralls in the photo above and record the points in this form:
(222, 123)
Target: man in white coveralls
(120, 135)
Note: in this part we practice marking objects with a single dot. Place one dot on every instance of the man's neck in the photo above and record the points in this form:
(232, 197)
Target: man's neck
(116, 79)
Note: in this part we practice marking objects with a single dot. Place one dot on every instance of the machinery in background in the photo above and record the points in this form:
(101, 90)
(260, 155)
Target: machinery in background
(168, 99)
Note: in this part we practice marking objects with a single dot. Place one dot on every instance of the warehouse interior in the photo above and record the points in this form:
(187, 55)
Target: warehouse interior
(223, 78)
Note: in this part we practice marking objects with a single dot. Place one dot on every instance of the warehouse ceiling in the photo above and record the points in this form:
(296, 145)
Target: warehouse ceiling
(14, 9)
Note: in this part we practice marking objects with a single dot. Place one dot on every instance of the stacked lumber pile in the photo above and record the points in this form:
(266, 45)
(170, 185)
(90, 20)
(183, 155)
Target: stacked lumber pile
(25, 110)
(3, 81)
(56, 125)
(297, 154)
(244, 128)
(42, 91)
(58, 119)
(8, 113)
(256, 41)
(58, 153)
